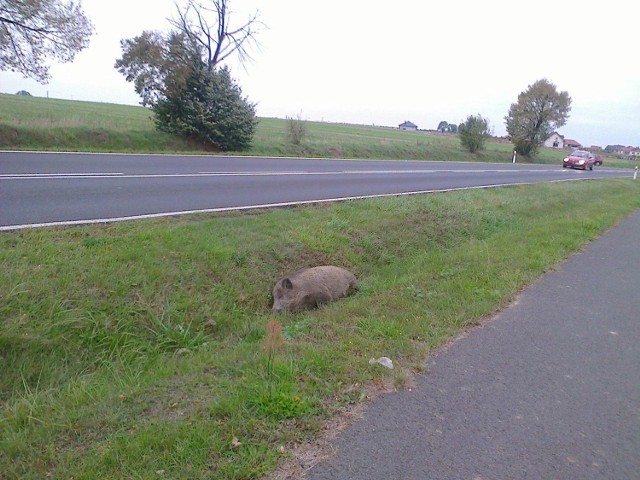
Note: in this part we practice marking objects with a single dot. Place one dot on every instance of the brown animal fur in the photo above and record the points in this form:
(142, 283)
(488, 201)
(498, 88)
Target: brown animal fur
(311, 287)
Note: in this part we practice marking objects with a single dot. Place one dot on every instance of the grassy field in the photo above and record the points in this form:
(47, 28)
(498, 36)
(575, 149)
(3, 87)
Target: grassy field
(148, 350)
(29, 123)
(33, 123)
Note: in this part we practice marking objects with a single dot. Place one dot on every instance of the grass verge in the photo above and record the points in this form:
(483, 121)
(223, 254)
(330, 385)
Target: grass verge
(148, 350)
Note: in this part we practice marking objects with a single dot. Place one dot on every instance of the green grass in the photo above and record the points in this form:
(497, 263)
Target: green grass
(140, 349)
(31, 123)
(357, 141)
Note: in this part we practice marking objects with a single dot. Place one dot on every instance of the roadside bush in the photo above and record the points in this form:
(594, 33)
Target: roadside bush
(210, 108)
(296, 130)
(474, 132)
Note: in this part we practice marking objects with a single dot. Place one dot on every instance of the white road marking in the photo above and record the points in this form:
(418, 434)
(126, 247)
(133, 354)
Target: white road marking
(18, 176)
(119, 175)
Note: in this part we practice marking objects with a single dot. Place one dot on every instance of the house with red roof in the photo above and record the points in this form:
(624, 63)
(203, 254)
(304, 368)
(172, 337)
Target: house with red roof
(571, 144)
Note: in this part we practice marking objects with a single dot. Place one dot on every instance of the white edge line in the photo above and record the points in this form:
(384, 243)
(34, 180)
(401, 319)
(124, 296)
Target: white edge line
(220, 155)
(265, 206)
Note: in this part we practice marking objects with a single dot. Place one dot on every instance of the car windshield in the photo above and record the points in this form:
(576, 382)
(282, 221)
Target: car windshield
(578, 153)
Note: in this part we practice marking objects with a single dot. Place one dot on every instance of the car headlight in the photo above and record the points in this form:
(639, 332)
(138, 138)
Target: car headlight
(581, 162)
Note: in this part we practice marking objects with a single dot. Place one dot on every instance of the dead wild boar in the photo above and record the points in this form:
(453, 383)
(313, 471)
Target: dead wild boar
(311, 287)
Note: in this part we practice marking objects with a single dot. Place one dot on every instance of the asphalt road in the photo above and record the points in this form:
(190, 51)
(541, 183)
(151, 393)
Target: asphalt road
(549, 389)
(45, 188)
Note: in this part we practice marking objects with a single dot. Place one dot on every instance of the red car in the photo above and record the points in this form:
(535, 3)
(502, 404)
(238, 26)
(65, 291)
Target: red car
(580, 159)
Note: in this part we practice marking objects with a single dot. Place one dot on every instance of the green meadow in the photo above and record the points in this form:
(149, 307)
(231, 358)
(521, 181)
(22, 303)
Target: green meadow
(31, 123)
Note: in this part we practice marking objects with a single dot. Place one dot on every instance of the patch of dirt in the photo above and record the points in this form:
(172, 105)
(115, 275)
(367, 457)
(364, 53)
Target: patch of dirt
(335, 152)
(179, 398)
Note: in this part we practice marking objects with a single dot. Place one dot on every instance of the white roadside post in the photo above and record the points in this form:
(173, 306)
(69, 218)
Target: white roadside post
(635, 173)
(514, 157)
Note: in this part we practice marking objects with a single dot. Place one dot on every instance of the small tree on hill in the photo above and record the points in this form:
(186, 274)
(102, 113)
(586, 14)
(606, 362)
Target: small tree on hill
(539, 111)
(446, 127)
(473, 132)
(209, 108)
(179, 75)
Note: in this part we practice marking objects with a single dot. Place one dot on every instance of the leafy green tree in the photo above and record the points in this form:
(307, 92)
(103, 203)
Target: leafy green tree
(179, 77)
(209, 108)
(446, 127)
(443, 126)
(474, 132)
(34, 31)
(158, 65)
(145, 62)
(539, 111)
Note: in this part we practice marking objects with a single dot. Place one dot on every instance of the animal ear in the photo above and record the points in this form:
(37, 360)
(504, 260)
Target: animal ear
(286, 283)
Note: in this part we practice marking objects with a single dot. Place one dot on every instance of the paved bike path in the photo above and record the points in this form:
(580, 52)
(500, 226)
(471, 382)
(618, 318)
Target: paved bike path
(549, 389)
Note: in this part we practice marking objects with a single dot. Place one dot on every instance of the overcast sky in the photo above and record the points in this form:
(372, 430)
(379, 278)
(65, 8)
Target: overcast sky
(381, 62)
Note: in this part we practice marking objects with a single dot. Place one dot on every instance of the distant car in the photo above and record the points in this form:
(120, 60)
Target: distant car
(599, 160)
(580, 159)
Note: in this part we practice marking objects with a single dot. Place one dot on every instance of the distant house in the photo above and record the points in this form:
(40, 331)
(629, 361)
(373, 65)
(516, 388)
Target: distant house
(554, 141)
(407, 125)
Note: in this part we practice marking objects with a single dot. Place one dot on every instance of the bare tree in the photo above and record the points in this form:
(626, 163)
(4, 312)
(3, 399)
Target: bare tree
(216, 37)
(31, 32)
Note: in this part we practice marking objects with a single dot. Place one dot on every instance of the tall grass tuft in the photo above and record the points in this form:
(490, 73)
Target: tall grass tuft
(272, 344)
(296, 130)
